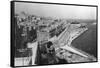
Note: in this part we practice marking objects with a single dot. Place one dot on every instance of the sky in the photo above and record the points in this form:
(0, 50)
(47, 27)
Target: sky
(56, 11)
